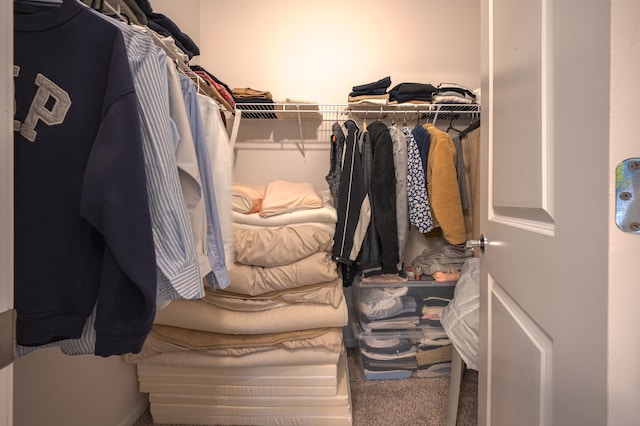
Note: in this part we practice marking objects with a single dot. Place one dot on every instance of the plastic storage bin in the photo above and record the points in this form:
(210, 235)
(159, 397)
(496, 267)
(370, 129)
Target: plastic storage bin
(422, 352)
(397, 328)
(400, 305)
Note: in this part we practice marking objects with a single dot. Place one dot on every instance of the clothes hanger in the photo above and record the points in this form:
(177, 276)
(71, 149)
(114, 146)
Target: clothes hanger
(202, 85)
(473, 126)
(451, 126)
(114, 12)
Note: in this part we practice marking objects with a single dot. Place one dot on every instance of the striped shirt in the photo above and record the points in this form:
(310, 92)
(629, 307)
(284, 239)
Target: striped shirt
(221, 153)
(215, 247)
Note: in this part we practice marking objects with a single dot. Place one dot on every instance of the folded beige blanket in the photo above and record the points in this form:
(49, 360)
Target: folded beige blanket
(200, 315)
(248, 92)
(275, 358)
(330, 293)
(288, 109)
(279, 246)
(174, 339)
(255, 280)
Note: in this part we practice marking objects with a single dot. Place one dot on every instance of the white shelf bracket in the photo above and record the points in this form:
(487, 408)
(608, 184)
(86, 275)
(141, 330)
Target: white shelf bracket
(236, 125)
(301, 144)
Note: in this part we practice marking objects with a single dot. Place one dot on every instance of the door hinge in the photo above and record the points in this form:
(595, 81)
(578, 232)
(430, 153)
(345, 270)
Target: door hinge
(7, 337)
(628, 196)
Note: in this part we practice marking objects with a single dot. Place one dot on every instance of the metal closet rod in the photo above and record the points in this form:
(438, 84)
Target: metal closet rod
(276, 110)
(331, 112)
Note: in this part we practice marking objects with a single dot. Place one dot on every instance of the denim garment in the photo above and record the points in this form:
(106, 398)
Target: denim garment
(383, 83)
(367, 92)
(423, 141)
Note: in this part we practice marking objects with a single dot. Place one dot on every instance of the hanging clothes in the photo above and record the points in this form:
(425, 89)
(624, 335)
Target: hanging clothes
(460, 174)
(214, 235)
(423, 142)
(165, 26)
(383, 197)
(354, 208)
(177, 268)
(221, 158)
(178, 272)
(129, 10)
(442, 186)
(401, 166)
(79, 154)
(419, 207)
(470, 138)
(188, 167)
(335, 161)
(369, 256)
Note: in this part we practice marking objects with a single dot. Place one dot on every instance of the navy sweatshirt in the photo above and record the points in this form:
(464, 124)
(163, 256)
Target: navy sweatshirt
(82, 225)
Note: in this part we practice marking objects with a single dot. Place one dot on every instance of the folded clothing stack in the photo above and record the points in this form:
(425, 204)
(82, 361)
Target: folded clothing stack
(444, 262)
(454, 93)
(374, 92)
(254, 100)
(412, 92)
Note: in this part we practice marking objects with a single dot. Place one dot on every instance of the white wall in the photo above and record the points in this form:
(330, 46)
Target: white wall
(317, 51)
(54, 389)
(186, 14)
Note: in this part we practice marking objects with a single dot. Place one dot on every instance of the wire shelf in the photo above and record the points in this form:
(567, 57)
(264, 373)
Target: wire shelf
(310, 114)
(334, 112)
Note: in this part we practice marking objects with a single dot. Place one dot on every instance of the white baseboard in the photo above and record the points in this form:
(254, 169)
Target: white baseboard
(136, 411)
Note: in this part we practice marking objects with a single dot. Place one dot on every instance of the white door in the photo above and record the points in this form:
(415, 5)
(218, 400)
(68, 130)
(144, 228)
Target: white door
(545, 153)
(6, 195)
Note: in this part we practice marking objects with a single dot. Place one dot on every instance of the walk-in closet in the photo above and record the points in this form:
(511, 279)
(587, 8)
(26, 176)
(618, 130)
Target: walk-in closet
(277, 345)
(315, 213)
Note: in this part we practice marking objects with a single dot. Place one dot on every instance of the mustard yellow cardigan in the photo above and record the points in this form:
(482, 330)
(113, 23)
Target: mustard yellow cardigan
(442, 186)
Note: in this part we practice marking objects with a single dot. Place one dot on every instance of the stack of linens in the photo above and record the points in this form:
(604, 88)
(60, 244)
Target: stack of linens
(268, 349)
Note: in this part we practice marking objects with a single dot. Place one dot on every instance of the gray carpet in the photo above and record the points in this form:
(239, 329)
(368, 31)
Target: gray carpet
(407, 402)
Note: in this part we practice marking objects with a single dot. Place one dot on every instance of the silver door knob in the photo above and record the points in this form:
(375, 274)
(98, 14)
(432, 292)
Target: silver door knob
(481, 243)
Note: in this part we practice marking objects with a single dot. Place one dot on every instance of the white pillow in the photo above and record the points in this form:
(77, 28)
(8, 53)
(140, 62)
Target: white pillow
(284, 197)
(247, 198)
